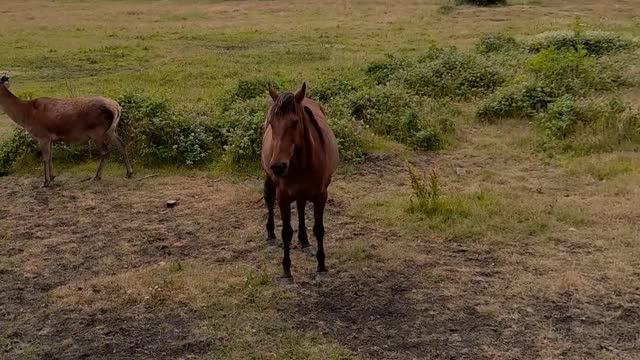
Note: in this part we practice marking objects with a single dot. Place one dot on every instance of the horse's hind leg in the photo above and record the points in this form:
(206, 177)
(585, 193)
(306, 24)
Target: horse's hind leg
(270, 200)
(318, 232)
(302, 229)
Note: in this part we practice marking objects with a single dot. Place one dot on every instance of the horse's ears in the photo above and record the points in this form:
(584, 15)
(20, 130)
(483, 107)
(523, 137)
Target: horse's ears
(272, 92)
(300, 93)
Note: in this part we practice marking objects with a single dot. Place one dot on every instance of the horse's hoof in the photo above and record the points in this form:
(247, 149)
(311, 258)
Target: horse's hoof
(46, 184)
(272, 242)
(286, 281)
(309, 251)
(322, 276)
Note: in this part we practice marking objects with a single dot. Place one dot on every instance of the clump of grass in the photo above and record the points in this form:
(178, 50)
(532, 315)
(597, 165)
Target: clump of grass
(426, 193)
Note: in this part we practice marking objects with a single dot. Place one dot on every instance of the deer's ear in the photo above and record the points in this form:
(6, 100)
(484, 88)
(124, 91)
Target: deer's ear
(301, 92)
(272, 92)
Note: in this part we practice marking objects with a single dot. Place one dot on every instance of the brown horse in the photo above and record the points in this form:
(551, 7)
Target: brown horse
(299, 156)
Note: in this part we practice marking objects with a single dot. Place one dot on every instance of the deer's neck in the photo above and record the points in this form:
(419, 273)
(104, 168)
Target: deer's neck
(12, 106)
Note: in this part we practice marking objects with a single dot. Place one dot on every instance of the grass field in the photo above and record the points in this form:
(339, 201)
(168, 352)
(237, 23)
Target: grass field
(533, 257)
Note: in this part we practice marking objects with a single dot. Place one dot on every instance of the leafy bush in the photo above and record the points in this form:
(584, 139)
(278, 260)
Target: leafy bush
(572, 72)
(561, 117)
(347, 132)
(481, 2)
(241, 130)
(332, 88)
(393, 112)
(157, 135)
(11, 150)
(593, 42)
(584, 126)
(521, 100)
(449, 73)
(177, 140)
(496, 42)
(381, 71)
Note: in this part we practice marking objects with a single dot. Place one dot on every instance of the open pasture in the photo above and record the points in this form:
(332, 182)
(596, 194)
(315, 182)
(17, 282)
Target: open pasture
(529, 249)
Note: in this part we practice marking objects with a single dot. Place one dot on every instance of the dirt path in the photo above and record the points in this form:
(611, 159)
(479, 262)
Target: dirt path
(87, 270)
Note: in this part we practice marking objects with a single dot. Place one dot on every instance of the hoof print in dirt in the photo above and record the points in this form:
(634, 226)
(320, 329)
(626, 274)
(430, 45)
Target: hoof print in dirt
(322, 276)
(309, 251)
(286, 281)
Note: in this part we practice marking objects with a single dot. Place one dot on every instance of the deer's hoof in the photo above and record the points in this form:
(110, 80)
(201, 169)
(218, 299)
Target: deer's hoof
(129, 175)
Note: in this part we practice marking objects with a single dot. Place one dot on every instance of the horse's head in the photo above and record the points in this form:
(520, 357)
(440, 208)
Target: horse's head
(286, 118)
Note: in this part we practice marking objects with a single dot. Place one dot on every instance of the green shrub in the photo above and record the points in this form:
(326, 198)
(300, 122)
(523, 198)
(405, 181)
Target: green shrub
(332, 88)
(481, 2)
(449, 73)
(177, 140)
(572, 72)
(11, 150)
(393, 112)
(241, 130)
(521, 100)
(584, 126)
(156, 134)
(347, 132)
(561, 118)
(593, 42)
(381, 71)
(496, 42)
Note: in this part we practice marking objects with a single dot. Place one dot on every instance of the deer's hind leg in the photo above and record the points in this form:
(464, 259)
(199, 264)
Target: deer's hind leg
(104, 153)
(119, 144)
(45, 151)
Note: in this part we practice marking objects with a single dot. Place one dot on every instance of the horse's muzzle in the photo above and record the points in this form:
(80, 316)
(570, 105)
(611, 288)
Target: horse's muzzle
(279, 168)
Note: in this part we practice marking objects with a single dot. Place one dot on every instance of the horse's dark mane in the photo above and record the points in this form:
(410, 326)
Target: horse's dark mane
(285, 104)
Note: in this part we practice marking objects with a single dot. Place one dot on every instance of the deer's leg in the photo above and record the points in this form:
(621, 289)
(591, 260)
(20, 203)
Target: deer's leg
(104, 155)
(318, 232)
(45, 151)
(117, 141)
(270, 200)
(287, 234)
(302, 229)
(52, 174)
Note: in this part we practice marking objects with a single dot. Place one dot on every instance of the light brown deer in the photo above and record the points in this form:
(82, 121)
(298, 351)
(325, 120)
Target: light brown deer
(67, 120)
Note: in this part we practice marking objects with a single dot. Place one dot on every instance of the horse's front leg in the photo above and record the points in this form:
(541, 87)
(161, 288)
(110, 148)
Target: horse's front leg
(270, 200)
(287, 235)
(318, 232)
(302, 229)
